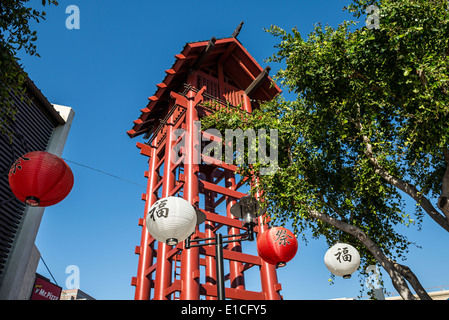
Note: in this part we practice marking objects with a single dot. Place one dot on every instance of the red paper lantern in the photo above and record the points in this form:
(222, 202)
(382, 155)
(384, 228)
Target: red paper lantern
(277, 246)
(40, 178)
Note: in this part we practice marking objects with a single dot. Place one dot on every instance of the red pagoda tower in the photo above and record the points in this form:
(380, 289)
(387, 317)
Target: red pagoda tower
(221, 71)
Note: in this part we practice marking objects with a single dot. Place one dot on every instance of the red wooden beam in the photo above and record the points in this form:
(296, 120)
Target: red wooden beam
(211, 290)
(176, 286)
(144, 149)
(234, 255)
(214, 217)
(222, 190)
(217, 163)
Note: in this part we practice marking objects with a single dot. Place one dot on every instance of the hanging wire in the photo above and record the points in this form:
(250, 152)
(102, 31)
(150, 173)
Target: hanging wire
(103, 172)
(49, 271)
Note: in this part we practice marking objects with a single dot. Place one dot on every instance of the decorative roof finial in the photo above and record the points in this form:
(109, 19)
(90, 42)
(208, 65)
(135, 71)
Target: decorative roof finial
(237, 31)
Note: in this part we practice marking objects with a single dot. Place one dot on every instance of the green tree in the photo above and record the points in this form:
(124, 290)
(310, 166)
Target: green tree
(369, 124)
(15, 35)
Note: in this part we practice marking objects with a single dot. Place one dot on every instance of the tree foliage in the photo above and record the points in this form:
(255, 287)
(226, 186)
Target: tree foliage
(15, 35)
(369, 124)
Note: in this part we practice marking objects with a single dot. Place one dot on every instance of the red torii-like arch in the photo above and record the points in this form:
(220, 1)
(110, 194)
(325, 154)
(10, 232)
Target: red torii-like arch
(221, 71)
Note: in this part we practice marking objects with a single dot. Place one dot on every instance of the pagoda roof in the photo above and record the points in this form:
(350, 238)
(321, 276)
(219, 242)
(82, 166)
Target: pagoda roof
(237, 63)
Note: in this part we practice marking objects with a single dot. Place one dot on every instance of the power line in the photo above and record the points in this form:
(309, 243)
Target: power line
(103, 172)
(49, 271)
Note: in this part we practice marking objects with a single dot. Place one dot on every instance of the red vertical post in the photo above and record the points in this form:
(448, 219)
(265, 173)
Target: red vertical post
(190, 270)
(211, 275)
(164, 265)
(143, 288)
(236, 275)
(268, 275)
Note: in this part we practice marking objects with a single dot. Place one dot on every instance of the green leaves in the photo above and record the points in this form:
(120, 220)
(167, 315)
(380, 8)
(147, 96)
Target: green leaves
(360, 94)
(15, 35)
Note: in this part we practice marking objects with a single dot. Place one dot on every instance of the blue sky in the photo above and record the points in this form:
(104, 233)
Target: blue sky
(105, 71)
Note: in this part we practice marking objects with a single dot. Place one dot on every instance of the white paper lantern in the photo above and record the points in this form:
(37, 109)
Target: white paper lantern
(342, 260)
(171, 220)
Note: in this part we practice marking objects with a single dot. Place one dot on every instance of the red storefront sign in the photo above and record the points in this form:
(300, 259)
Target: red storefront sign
(45, 290)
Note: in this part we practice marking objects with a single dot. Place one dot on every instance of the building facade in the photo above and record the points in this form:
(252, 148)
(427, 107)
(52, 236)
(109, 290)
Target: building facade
(75, 294)
(39, 126)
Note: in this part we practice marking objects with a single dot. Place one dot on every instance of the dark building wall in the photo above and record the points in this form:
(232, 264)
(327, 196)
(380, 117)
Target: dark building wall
(32, 130)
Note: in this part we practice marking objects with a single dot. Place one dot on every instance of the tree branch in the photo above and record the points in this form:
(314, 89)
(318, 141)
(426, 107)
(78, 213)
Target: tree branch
(407, 187)
(390, 267)
(408, 274)
(443, 202)
(422, 77)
